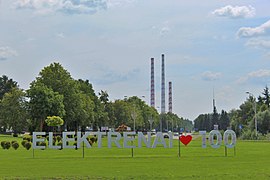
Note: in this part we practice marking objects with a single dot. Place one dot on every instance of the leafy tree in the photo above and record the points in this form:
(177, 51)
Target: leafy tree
(13, 110)
(104, 97)
(243, 118)
(215, 117)
(263, 120)
(176, 123)
(43, 102)
(6, 85)
(143, 112)
(59, 80)
(85, 101)
(54, 121)
(224, 120)
(235, 121)
(266, 96)
(122, 111)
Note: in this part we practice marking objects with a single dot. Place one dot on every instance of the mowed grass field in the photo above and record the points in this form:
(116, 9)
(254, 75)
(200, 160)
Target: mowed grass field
(252, 161)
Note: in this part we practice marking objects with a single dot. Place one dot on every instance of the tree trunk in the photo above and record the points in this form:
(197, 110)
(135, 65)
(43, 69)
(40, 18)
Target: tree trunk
(41, 125)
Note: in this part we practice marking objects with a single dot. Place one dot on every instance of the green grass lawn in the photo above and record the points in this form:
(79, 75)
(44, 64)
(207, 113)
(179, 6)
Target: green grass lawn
(252, 161)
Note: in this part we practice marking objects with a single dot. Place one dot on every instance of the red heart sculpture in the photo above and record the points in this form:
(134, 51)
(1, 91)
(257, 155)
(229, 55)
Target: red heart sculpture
(185, 139)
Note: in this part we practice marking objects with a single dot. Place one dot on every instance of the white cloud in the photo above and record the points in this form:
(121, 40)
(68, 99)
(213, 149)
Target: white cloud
(261, 74)
(263, 29)
(64, 6)
(235, 12)
(111, 76)
(210, 76)
(60, 35)
(164, 30)
(7, 52)
(119, 3)
(258, 43)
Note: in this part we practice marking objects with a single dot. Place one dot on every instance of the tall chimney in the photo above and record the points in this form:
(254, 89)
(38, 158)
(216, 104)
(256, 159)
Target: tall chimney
(162, 85)
(152, 100)
(170, 97)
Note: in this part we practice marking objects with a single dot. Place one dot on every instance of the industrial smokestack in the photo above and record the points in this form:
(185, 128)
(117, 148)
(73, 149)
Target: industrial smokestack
(152, 100)
(170, 97)
(162, 84)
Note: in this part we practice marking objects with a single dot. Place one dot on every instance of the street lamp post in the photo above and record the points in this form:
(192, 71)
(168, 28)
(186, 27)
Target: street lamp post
(133, 114)
(160, 123)
(160, 120)
(151, 120)
(255, 111)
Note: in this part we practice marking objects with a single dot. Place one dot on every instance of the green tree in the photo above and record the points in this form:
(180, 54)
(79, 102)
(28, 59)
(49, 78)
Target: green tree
(224, 120)
(6, 85)
(263, 120)
(13, 110)
(86, 98)
(43, 102)
(243, 118)
(215, 117)
(122, 111)
(266, 96)
(235, 123)
(54, 121)
(142, 113)
(104, 96)
(203, 122)
(59, 80)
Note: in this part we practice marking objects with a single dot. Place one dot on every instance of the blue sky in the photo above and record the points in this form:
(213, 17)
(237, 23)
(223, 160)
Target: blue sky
(221, 45)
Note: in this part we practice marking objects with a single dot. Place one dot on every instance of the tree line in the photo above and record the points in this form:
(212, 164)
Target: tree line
(241, 120)
(55, 93)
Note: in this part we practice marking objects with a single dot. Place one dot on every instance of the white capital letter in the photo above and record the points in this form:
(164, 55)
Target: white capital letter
(147, 141)
(51, 142)
(127, 138)
(35, 140)
(66, 139)
(99, 137)
(162, 141)
(116, 140)
(83, 139)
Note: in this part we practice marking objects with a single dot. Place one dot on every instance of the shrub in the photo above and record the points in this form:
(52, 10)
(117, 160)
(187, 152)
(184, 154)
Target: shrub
(13, 142)
(43, 144)
(93, 139)
(59, 138)
(54, 121)
(28, 138)
(60, 143)
(7, 145)
(15, 145)
(28, 145)
(15, 135)
(24, 142)
(3, 144)
(267, 136)
(247, 134)
(90, 142)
